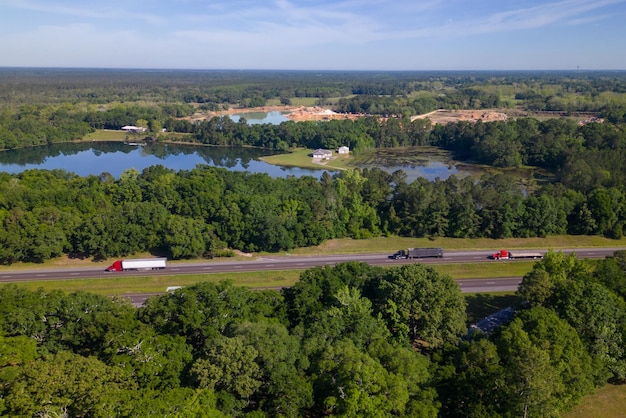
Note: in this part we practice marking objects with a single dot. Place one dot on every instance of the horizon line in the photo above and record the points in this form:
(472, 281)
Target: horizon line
(308, 70)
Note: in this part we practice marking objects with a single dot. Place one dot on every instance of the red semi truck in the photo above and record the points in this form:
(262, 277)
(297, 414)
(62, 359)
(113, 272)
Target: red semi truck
(508, 255)
(138, 264)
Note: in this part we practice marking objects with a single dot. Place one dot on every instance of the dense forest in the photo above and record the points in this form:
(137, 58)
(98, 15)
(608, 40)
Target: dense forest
(206, 211)
(352, 340)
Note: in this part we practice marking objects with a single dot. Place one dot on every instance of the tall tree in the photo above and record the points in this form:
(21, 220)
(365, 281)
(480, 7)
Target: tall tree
(428, 303)
(68, 384)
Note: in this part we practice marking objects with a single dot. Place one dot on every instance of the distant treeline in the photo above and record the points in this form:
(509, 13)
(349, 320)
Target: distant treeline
(582, 156)
(399, 92)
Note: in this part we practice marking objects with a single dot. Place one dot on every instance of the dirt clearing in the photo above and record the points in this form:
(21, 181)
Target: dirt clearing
(443, 116)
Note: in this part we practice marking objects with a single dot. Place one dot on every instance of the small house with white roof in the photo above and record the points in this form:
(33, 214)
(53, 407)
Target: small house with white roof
(321, 154)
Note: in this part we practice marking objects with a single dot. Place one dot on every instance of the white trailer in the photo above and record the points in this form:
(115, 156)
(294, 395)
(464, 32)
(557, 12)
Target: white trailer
(138, 264)
(533, 255)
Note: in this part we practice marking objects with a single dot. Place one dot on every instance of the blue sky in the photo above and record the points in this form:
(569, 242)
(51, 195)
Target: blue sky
(315, 35)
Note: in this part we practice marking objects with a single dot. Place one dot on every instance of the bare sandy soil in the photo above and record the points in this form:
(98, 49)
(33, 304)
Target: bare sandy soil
(318, 113)
(295, 113)
(302, 113)
(443, 116)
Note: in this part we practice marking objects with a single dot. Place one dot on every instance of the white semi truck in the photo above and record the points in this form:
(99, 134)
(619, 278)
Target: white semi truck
(138, 264)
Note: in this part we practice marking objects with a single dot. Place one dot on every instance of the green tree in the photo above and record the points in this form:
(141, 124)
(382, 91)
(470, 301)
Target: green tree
(15, 352)
(155, 127)
(285, 389)
(414, 369)
(350, 318)
(470, 379)
(229, 366)
(599, 317)
(541, 217)
(155, 362)
(547, 367)
(68, 384)
(185, 237)
(205, 310)
(352, 383)
(428, 303)
(611, 272)
(536, 287)
(180, 402)
(605, 206)
(317, 288)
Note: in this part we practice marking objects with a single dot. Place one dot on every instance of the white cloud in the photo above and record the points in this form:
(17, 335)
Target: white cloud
(282, 33)
(562, 12)
(86, 10)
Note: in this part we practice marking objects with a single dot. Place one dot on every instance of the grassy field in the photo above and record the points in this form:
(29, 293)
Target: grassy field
(111, 135)
(262, 279)
(607, 402)
(301, 158)
(157, 284)
(107, 135)
(392, 244)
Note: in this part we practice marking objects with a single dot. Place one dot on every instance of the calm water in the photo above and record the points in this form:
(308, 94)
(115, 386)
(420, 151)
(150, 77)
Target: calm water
(430, 170)
(95, 158)
(255, 118)
(115, 157)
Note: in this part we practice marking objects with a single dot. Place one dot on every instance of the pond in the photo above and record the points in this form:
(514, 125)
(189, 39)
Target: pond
(95, 158)
(427, 162)
(255, 118)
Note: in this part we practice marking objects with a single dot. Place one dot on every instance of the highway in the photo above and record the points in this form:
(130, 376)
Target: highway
(286, 262)
(500, 284)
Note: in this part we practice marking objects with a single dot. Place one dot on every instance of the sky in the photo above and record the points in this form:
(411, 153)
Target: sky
(315, 35)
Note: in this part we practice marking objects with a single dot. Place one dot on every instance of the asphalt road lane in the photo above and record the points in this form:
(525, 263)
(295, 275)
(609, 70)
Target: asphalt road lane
(268, 263)
(501, 284)
(271, 263)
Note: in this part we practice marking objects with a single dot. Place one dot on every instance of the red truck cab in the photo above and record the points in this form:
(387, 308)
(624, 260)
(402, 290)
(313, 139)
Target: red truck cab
(501, 255)
(116, 266)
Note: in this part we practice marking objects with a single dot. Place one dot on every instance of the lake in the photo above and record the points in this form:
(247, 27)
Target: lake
(95, 158)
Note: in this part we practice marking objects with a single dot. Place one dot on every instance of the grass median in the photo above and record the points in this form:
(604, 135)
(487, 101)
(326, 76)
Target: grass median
(270, 279)
(262, 279)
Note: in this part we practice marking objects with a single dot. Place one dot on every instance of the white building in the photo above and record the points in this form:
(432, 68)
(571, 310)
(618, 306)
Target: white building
(131, 128)
(321, 154)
